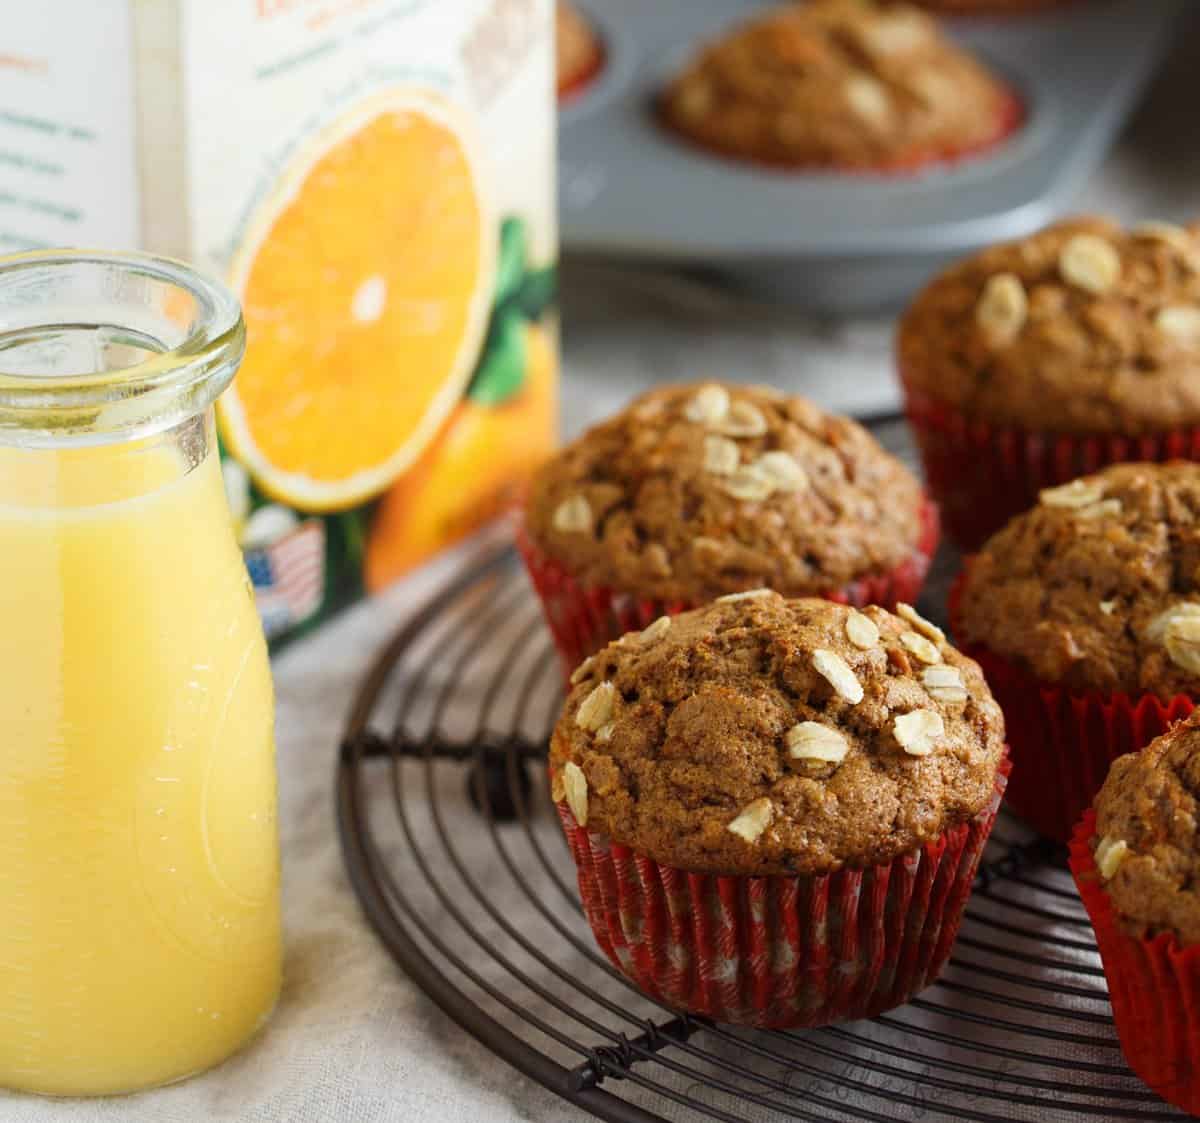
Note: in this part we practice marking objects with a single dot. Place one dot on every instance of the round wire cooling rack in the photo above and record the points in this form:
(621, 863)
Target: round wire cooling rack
(456, 854)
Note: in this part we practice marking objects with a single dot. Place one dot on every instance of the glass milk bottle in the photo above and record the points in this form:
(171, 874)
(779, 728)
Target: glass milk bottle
(139, 862)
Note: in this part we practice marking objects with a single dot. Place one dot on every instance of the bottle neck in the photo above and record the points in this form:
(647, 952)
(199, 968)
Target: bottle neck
(100, 348)
(44, 479)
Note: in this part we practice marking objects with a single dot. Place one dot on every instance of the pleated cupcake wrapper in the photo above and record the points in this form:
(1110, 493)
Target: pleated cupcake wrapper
(580, 82)
(584, 618)
(982, 475)
(781, 951)
(1063, 741)
(1008, 120)
(1153, 985)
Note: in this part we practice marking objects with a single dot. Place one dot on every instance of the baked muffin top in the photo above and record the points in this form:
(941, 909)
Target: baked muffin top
(1083, 327)
(1147, 842)
(698, 490)
(577, 48)
(759, 736)
(847, 83)
(1097, 587)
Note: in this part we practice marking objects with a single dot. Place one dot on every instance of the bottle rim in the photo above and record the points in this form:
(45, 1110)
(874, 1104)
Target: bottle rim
(186, 329)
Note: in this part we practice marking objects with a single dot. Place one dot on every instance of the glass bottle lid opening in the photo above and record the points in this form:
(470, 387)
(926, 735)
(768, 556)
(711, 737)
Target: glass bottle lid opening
(98, 346)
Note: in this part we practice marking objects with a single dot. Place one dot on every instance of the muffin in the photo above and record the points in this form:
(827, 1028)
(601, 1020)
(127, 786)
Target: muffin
(750, 788)
(577, 50)
(851, 84)
(1037, 361)
(1136, 861)
(1085, 616)
(699, 490)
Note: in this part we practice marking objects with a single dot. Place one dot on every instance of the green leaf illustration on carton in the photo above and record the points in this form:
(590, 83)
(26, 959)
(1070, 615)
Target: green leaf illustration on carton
(538, 292)
(514, 246)
(501, 372)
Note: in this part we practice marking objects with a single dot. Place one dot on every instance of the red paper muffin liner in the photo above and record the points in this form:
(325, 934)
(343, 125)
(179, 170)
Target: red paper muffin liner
(1153, 985)
(781, 952)
(1009, 119)
(981, 474)
(574, 86)
(1063, 740)
(584, 618)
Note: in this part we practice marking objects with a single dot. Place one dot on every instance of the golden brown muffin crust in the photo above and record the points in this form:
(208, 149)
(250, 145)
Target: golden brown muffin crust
(1146, 845)
(837, 83)
(704, 489)
(1098, 587)
(713, 720)
(1083, 327)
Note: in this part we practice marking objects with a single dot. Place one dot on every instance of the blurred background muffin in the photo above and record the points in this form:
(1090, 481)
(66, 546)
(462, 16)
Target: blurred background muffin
(578, 52)
(839, 84)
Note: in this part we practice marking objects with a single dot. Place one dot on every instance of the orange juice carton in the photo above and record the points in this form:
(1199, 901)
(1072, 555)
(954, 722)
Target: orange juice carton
(375, 180)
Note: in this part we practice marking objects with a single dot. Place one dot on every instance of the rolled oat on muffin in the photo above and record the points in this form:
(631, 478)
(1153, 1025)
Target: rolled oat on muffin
(700, 490)
(1085, 615)
(1036, 361)
(854, 84)
(1136, 862)
(795, 754)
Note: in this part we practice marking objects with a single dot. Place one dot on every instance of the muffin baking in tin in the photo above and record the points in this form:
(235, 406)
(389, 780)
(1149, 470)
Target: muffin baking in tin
(839, 84)
(579, 54)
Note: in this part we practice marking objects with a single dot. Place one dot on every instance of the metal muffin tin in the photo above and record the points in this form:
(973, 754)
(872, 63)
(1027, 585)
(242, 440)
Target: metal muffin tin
(829, 241)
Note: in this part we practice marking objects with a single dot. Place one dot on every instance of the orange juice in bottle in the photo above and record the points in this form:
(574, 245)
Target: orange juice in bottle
(139, 869)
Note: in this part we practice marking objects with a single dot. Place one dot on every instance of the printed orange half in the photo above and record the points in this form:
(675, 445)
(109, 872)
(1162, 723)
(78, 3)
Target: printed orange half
(366, 284)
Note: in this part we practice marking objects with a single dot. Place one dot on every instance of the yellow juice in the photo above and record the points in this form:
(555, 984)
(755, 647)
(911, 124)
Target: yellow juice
(139, 867)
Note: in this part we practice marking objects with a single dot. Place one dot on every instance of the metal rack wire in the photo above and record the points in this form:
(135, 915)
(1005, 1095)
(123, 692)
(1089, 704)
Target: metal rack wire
(452, 845)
